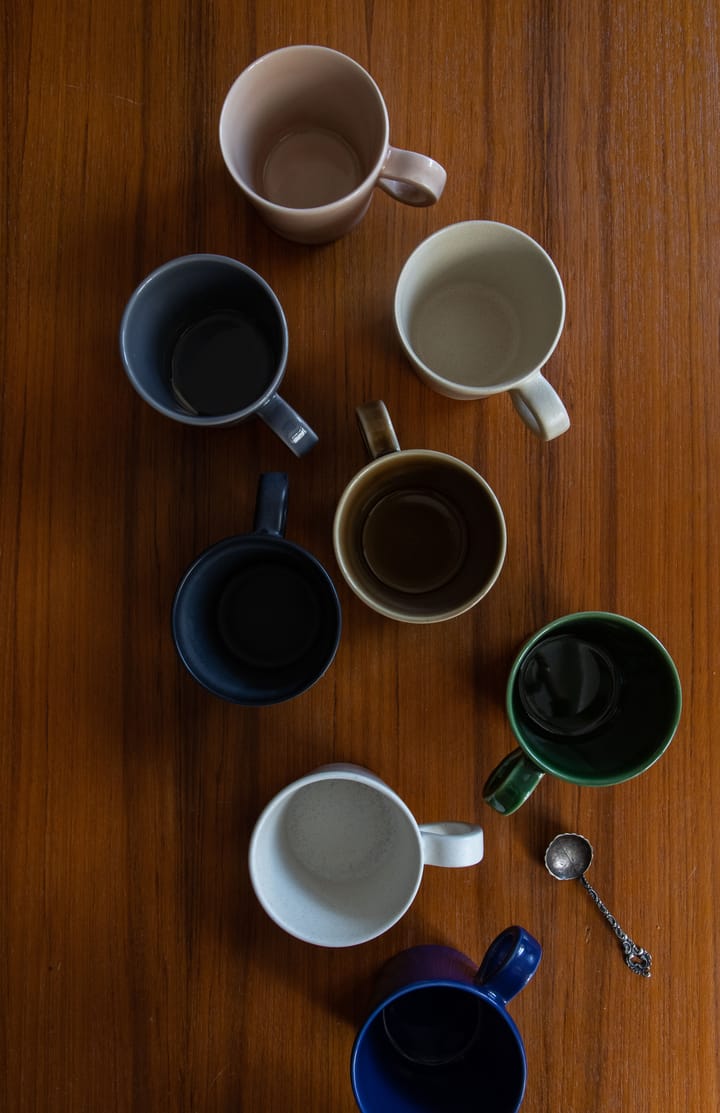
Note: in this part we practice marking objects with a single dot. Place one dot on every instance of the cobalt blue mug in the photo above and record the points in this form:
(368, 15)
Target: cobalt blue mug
(256, 619)
(439, 1036)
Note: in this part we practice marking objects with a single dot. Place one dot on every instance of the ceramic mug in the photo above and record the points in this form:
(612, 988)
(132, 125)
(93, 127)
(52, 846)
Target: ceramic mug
(204, 341)
(419, 535)
(304, 132)
(439, 1036)
(479, 309)
(256, 619)
(336, 858)
(593, 698)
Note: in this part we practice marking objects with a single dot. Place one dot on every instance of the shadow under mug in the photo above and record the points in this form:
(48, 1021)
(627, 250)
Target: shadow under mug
(304, 131)
(204, 341)
(337, 858)
(256, 619)
(593, 698)
(439, 1036)
(419, 535)
(479, 309)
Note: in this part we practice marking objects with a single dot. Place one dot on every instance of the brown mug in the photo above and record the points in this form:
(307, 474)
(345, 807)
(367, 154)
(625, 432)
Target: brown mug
(419, 535)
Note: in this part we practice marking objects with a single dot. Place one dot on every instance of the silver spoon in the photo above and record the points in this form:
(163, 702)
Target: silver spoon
(567, 858)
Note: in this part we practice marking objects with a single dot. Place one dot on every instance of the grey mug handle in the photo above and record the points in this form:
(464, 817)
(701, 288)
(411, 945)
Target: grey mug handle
(287, 424)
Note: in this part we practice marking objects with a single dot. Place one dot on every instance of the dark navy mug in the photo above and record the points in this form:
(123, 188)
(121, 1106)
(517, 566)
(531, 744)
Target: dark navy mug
(256, 619)
(439, 1036)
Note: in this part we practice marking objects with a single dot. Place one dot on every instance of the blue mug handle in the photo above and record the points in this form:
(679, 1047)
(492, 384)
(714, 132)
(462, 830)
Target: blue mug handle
(509, 963)
(271, 503)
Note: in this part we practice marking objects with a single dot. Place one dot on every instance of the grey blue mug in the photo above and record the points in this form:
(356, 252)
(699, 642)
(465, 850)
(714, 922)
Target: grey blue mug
(204, 341)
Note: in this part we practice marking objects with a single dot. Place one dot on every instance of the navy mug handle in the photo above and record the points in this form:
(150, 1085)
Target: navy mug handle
(509, 963)
(271, 503)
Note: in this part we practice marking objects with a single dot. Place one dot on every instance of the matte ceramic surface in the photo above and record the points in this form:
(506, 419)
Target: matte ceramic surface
(624, 745)
(479, 309)
(304, 133)
(336, 858)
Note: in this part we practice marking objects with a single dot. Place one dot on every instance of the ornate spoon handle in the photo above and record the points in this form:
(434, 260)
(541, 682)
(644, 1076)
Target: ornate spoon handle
(637, 958)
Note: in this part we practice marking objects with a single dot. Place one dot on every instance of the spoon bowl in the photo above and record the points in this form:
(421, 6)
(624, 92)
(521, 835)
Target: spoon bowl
(568, 856)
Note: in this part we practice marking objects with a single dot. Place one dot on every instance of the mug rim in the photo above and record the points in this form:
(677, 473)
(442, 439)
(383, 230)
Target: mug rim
(360, 776)
(380, 462)
(467, 390)
(184, 416)
(544, 763)
(369, 181)
(236, 541)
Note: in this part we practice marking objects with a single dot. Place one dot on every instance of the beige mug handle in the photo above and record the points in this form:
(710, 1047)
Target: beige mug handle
(540, 406)
(377, 429)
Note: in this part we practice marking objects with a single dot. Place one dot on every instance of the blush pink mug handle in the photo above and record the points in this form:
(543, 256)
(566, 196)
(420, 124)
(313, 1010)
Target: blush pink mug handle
(412, 178)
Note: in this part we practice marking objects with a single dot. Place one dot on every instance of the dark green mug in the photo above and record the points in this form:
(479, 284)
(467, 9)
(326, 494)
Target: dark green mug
(593, 698)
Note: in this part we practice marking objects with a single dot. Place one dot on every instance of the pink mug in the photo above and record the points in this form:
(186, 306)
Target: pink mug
(304, 131)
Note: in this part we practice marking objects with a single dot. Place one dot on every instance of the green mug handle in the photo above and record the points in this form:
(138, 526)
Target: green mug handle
(511, 782)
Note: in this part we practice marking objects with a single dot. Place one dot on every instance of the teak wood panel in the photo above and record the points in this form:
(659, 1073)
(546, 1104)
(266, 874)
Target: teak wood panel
(138, 972)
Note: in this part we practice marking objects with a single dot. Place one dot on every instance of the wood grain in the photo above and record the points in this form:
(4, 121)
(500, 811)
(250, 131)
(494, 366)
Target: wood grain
(138, 972)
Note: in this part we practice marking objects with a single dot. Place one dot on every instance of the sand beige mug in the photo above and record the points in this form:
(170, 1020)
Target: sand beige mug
(479, 309)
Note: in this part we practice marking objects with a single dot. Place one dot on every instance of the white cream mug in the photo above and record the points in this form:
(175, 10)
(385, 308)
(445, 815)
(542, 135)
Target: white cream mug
(479, 309)
(336, 858)
(304, 131)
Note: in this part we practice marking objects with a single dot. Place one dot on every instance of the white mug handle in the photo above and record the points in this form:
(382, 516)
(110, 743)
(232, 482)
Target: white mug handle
(412, 178)
(540, 406)
(452, 844)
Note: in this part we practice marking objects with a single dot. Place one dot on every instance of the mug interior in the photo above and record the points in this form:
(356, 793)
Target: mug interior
(187, 298)
(256, 620)
(335, 861)
(303, 127)
(419, 536)
(479, 305)
(429, 1018)
(644, 717)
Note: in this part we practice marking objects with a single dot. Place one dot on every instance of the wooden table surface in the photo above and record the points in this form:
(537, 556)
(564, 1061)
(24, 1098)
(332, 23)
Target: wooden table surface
(138, 971)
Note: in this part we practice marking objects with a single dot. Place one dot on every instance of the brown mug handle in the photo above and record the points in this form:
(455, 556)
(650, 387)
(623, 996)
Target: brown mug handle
(377, 429)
